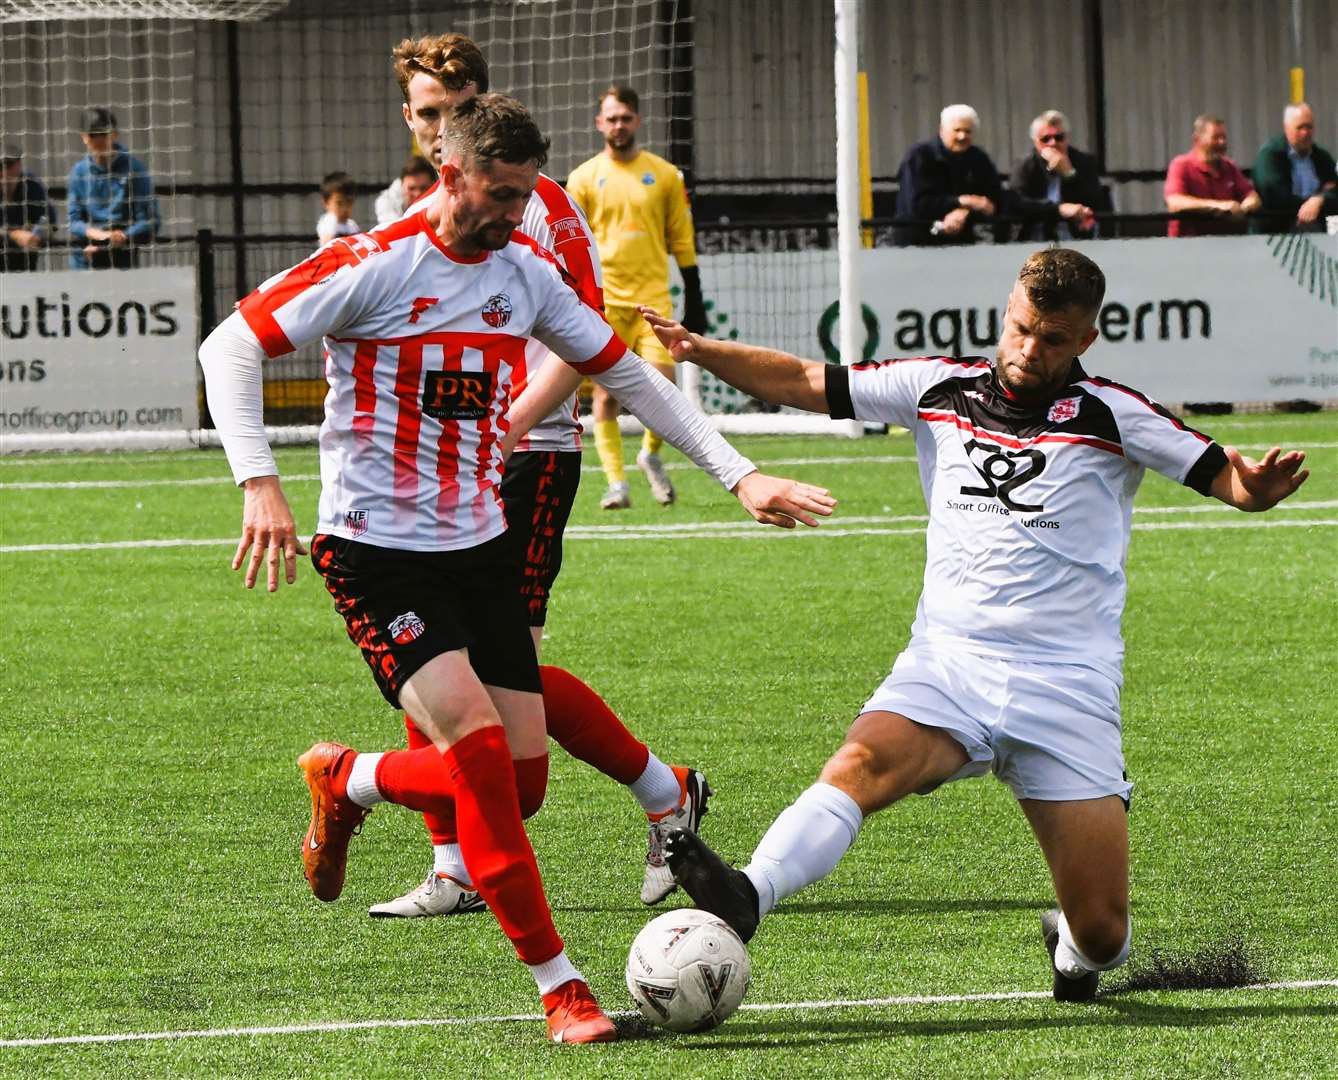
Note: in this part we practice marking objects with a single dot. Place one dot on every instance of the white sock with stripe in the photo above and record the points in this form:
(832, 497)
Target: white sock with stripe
(1069, 959)
(804, 844)
(446, 859)
(362, 787)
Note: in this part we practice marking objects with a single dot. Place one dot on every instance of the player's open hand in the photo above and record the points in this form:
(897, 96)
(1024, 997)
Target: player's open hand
(269, 532)
(774, 500)
(1259, 485)
(674, 336)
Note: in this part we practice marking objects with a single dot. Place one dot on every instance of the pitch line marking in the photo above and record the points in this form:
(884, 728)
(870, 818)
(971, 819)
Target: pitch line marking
(203, 481)
(707, 530)
(470, 1021)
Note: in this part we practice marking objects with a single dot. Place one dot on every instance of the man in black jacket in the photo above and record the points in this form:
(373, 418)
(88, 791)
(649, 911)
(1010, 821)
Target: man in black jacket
(946, 185)
(1056, 188)
(27, 217)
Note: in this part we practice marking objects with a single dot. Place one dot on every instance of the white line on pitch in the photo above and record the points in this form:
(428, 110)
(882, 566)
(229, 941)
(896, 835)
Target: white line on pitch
(769, 463)
(702, 531)
(461, 1021)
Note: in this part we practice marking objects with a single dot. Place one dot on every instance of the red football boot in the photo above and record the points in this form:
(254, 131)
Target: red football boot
(333, 822)
(575, 1017)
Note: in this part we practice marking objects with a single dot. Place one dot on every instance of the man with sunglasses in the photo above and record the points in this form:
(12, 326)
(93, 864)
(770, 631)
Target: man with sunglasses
(1057, 187)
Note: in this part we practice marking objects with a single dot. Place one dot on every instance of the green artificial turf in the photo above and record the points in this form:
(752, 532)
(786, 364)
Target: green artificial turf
(151, 711)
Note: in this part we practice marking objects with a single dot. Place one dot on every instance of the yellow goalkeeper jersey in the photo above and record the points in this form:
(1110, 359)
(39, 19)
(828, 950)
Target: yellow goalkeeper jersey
(639, 215)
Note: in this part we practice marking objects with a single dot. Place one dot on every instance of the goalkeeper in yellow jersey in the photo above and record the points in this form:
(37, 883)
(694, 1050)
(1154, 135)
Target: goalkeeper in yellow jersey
(638, 211)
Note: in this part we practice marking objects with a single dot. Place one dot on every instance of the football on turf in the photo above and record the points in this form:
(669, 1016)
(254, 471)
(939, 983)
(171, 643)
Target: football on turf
(687, 971)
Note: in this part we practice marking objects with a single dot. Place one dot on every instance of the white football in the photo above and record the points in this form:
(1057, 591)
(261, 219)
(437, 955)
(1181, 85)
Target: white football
(687, 971)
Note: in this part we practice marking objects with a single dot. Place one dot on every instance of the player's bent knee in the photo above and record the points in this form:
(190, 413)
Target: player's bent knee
(531, 783)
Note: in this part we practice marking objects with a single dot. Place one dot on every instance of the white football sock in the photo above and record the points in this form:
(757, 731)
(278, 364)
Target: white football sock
(362, 787)
(553, 973)
(446, 859)
(656, 789)
(804, 844)
(1069, 959)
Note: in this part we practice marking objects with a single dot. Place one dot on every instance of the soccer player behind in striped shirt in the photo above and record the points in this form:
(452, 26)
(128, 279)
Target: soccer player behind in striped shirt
(424, 326)
(1029, 467)
(437, 73)
(638, 211)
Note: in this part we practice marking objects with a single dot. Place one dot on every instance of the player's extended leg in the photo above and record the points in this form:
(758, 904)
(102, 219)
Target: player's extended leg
(885, 757)
(1086, 844)
(609, 446)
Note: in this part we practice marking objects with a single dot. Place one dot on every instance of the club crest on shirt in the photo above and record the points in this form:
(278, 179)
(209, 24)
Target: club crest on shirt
(497, 311)
(1063, 409)
(355, 521)
(406, 628)
(648, 179)
(457, 395)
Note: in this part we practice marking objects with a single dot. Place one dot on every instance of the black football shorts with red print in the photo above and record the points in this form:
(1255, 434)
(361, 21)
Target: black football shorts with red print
(404, 608)
(538, 491)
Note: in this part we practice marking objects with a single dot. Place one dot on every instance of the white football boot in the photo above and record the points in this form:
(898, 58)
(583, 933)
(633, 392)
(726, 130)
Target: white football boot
(653, 468)
(618, 497)
(658, 881)
(439, 894)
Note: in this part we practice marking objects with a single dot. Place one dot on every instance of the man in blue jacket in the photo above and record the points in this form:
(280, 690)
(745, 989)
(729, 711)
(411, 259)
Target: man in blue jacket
(112, 206)
(946, 184)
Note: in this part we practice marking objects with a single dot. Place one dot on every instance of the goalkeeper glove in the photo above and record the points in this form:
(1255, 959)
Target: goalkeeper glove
(694, 308)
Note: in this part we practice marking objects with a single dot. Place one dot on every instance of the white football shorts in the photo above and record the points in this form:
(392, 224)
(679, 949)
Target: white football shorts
(1049, 731)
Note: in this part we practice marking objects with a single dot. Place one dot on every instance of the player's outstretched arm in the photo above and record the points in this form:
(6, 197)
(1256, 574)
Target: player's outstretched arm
(767, 374)
(231, 357)
(1253, 485)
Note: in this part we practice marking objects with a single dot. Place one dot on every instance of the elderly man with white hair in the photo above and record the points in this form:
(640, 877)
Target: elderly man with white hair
(1057, 187)
(1296, 178)
(946, 184)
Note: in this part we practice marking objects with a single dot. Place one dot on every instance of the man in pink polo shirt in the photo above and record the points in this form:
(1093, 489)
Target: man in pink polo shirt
(1209, 184)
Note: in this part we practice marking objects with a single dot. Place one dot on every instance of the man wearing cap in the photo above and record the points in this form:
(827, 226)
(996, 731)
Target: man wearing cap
(26, 213)
(112, 206)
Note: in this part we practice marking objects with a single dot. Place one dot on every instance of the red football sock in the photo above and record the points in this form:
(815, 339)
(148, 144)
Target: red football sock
(416, 779)
(441, 821)
(585, 727)
(531, 783)
(496, 851)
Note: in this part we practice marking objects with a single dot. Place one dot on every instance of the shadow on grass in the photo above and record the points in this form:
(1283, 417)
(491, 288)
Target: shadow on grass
(761, 1034)
(910, 906)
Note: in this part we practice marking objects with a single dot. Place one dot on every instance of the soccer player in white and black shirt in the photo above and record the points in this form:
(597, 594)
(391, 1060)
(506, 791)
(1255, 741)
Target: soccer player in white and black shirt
(1029, 467)
(425, 325)
(437, 73)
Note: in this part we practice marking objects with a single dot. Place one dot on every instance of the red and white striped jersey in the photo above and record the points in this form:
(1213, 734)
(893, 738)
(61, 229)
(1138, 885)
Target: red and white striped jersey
(423, 351)
(1030, 508)
(557, 224)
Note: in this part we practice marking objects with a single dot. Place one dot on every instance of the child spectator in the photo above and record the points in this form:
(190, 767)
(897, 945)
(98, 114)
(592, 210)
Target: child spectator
(337, 198)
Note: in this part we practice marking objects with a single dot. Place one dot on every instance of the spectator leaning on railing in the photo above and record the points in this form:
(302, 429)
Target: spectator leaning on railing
(27, 213)
(946, 184)
(1056, 187)
(112, 206)
(1208, 184)
(1294, 176)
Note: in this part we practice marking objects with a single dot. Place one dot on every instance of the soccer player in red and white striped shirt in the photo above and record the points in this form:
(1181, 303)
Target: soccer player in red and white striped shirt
(436, 73)
(425, 324)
